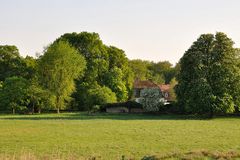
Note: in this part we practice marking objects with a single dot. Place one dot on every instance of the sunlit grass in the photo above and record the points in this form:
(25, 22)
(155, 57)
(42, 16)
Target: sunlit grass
(107, 136)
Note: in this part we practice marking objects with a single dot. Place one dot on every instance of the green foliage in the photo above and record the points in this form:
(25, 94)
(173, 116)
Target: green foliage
(119, 66)
(39, 98)
(18, 94)
(160, 72)
(100, 96)
(140, 69)
(225, 104)
(172, 92)
(114, 80)
(163, 69)
(106, 66)
(94, 51)
(117, 58)
(60, 65)
(209, 77)
(11, 64)
(13, 94)
(30, 68)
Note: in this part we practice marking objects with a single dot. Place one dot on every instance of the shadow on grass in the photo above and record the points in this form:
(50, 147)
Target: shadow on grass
(204, 154)
(101, 116)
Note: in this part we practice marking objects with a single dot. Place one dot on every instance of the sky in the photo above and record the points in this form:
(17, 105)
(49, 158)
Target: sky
(155, 30)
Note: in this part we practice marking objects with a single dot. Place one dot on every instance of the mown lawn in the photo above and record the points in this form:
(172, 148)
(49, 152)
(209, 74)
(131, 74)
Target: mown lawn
(106, 136)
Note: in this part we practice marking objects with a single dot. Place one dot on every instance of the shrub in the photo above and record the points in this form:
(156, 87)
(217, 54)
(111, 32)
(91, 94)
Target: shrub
(100, 96)
(151, 99)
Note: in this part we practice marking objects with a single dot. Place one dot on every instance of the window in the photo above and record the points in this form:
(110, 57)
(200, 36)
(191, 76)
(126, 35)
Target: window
(137, 92)
(166, 95)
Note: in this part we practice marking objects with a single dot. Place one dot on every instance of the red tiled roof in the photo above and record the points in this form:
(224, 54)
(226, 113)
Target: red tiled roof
(144, 84)
(164, 87)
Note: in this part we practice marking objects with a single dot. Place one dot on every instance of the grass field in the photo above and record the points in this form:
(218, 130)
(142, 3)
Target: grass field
(106, 136)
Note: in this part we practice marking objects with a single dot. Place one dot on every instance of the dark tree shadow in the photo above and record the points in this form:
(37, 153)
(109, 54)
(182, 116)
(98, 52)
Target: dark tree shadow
(102, 116)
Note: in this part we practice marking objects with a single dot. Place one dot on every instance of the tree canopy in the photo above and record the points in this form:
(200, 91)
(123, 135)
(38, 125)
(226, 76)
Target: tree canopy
(79, 71)
(160, 72)
(13, 94)
(107, 66)
(60, 65)
(209, 76)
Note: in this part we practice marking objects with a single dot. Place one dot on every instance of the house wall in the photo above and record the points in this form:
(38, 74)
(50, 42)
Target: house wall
(136, 92)
(137, 110)
(117, 110)
(123, 110)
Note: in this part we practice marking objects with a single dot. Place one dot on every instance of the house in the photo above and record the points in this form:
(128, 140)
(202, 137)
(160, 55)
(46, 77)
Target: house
(140, 85)
(124, 107)
(148, 84)
(165, 88)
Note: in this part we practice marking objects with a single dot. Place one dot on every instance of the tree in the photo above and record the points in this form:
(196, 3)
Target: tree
(13, 94)
(11, 64)
(161, 72)
(30, 67)
(119, 61)
(101, 61)
(164, 70)
(117, 58)
(60, 65)
(94, 51)
(99, 96)
(172, 92)
(114, 80)
(209, 77)
(38, 98)
(140, 69)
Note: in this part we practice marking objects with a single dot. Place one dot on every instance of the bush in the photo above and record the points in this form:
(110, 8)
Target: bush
(151, 100)
(100, 96)
(173, 107)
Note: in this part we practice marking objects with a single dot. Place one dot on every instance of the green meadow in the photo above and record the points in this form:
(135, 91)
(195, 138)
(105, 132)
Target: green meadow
(116, 136)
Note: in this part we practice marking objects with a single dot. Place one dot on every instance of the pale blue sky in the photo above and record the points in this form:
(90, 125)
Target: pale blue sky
(147, 29)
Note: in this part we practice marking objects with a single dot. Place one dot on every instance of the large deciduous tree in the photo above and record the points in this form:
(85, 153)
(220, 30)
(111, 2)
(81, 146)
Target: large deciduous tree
(160, 72)
(92, 48)
(39, 98)
(60, 65)
(102, 61)
(10, 62)
(119, 64)
(114, 80)
(13, 94)
(140, 69)
(163, 69)
(209, 77)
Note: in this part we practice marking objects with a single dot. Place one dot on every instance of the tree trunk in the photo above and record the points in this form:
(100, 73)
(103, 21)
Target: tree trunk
(57, 104)
(33, 109)
(211, 114)
(39, 110)
(13, 110)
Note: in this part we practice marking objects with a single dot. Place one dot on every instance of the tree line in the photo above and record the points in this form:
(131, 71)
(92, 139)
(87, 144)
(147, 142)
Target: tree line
(76, 72)
(79, 72)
